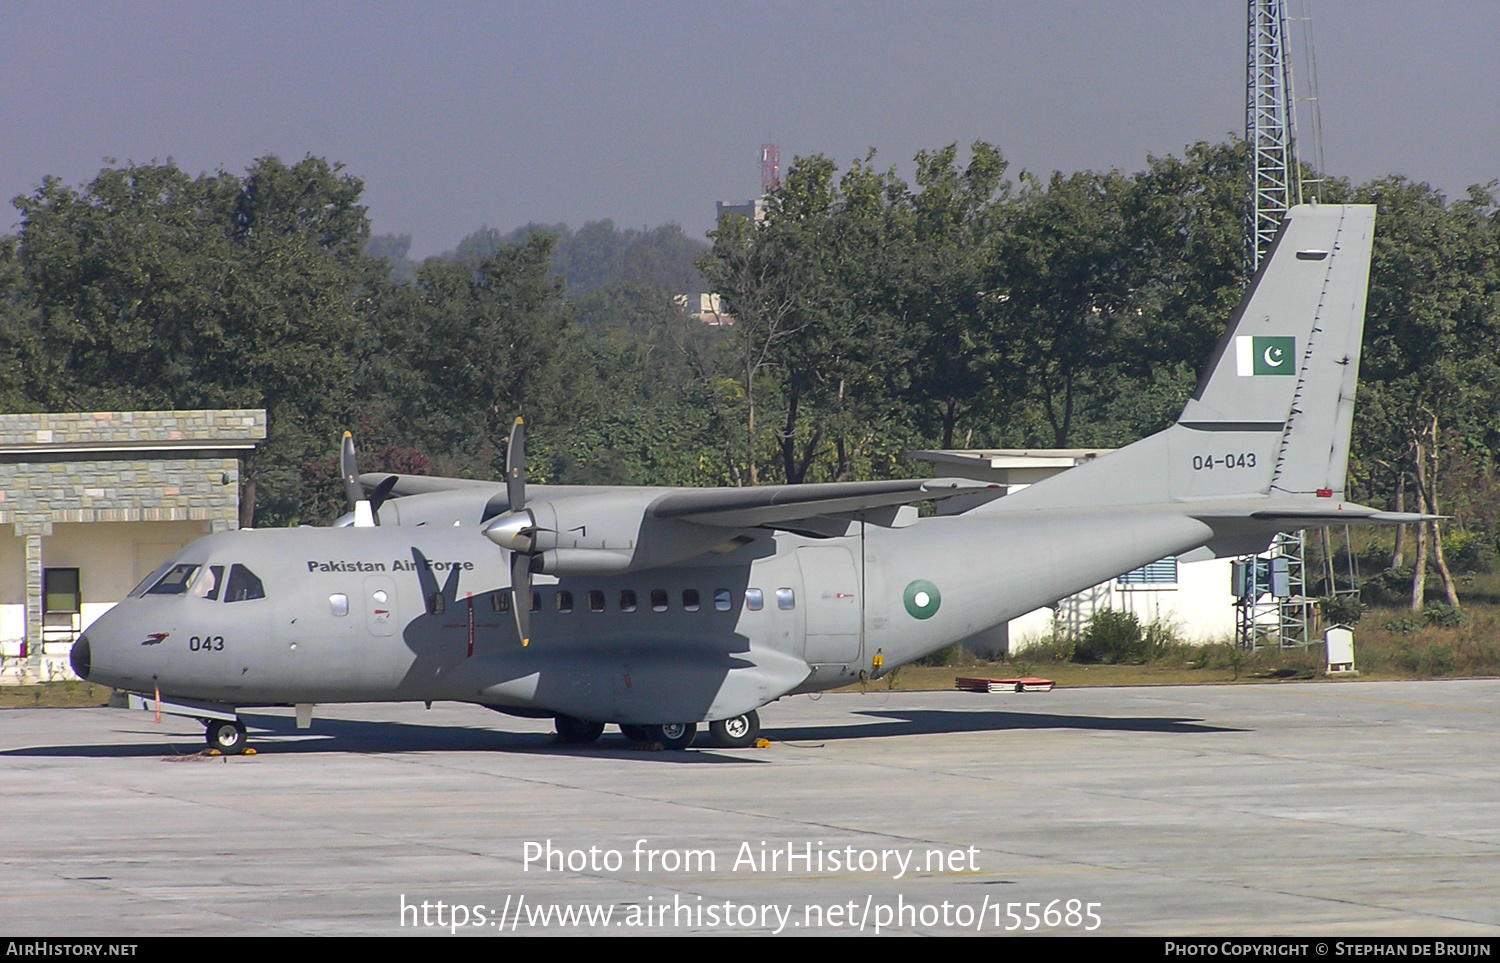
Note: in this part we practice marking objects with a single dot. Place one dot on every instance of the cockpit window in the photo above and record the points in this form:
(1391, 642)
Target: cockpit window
(209, 583)
(176, 581)
(149, 581)
(243, 585)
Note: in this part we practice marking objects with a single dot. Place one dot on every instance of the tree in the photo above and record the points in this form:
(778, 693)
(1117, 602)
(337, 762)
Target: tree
(153, 289)
(1432, 335)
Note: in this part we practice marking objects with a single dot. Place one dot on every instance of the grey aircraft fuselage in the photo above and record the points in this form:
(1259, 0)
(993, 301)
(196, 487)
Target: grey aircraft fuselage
(422, 613)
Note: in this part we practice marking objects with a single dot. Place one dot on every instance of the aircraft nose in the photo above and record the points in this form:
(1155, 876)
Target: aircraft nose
(80, 657)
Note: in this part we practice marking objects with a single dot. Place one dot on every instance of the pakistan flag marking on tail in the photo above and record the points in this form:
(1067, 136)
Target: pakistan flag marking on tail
(922, 599)
(1265, 356)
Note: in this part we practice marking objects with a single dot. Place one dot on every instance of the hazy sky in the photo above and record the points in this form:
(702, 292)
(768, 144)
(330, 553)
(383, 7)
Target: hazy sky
(457, 115)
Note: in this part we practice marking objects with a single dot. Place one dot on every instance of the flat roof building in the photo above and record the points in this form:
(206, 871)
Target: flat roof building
(93, 502)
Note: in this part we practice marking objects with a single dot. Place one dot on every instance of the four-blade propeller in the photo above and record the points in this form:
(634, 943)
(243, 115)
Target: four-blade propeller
(366, 509)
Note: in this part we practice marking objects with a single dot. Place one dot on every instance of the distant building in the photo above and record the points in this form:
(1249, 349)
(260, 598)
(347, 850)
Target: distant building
(754, 210)
(1195, 597)
(95, 502)
(709, 308)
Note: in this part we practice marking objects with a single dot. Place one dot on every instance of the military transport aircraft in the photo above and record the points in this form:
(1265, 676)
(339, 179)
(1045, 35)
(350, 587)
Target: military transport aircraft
(657, 609)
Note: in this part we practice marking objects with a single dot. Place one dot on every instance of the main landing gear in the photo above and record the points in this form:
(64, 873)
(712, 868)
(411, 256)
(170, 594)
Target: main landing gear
(225, 736)
(578, 731)
(741, 732)
(737, 733)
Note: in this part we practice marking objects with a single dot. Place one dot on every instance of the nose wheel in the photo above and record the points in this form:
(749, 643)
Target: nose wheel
(227, 737)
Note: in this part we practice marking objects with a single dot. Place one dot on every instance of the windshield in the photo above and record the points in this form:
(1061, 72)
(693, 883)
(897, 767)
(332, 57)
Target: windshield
(176, 581)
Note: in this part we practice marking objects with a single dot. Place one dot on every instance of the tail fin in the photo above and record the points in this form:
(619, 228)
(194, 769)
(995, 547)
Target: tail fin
(1273, 410)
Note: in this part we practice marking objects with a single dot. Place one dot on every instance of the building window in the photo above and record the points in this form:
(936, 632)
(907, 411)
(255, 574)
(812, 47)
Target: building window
(1163, 572)
(60, 594)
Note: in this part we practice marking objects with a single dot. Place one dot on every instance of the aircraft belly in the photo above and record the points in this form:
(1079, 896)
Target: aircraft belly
(669, 682)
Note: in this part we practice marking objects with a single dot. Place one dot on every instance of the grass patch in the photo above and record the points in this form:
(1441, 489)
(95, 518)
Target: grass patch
(54, 695)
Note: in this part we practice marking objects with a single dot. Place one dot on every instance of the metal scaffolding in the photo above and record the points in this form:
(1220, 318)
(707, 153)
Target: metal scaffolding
(1270, 129)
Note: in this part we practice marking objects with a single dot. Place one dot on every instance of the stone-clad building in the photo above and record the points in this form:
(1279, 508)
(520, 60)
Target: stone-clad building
(93, 502)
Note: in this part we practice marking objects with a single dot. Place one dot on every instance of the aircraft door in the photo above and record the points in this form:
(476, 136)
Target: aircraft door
(831, 592)
(381, 615)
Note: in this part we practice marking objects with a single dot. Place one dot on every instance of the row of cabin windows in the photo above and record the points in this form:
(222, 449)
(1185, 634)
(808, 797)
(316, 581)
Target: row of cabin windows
(692, 601)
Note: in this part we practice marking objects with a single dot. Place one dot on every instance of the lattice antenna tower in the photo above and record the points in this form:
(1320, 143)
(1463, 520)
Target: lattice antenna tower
(1270, 128)
(770, 168)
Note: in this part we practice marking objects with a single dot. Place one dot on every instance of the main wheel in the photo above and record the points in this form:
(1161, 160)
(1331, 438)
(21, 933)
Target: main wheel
(737, 733)
(573, 729)
(673, 735)
(227, 737)
(635, 733)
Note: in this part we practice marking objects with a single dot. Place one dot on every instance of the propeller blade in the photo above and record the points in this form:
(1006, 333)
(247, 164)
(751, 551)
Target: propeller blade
(381, 494)
(520, 594)
(349, 468)
(515, 466)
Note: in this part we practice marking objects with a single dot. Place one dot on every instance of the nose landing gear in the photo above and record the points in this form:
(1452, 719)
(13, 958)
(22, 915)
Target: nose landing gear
(227, 737)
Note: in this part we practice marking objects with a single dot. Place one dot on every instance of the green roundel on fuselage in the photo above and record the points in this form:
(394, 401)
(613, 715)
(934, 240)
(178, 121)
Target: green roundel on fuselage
(922, 599)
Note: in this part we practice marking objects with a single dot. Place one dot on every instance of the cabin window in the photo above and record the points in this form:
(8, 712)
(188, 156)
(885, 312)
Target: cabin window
(565, 601)
(658, 600)
(755, 599)
(436, 604)
(338, 604)
(722, 600)
(536, 601)
(596, 601)
(243, 585)
(627, 600)
(500, 601)
(786, 599)
(209, 584)
(176, 581)
(690, 601)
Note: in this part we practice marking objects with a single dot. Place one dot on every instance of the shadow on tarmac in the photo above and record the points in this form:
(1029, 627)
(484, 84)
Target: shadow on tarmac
(921, 722)
(276, 735)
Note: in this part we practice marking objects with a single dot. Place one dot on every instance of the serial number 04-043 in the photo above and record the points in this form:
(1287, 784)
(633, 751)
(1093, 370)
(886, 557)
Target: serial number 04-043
(1244, 459)
(1073, 914)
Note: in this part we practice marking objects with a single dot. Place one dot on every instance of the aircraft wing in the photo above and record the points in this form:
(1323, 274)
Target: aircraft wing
(783, 506)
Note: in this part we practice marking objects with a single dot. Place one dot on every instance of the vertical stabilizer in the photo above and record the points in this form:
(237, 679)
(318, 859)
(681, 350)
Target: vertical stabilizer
(1281, 383)
(1273, 410)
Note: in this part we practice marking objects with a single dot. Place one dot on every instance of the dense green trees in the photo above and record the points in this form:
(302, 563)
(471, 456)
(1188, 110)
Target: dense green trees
(970, 308)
